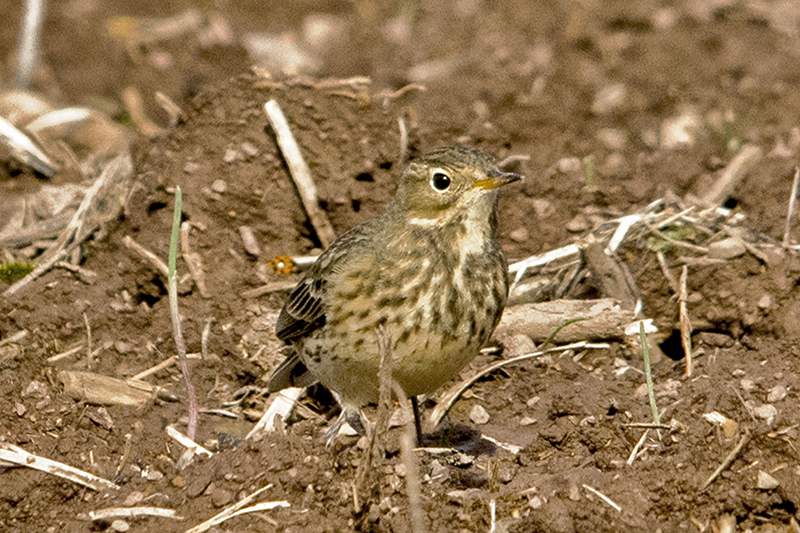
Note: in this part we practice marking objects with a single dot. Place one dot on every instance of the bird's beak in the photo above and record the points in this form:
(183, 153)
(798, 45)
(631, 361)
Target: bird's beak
(497, 179)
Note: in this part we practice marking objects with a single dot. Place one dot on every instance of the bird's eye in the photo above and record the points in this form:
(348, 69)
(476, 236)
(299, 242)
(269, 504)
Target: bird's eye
(440, 181)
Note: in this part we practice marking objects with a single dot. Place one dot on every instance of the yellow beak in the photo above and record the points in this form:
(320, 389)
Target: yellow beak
(497, 180)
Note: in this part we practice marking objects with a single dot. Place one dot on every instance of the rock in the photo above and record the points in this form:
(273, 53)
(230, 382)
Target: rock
(715, 340)
(727, 248)
(609, 98)
(232, 155)
(566, 165)
(612, 138)
(526, 421)
(479, 415)
(219, 186)
(461, 496)
(766, 412)
(532, 401)
(680, 130)
(221, 497)
(766, 481)
(777, 393)
(120, 525)
(578, 224)
(250, 241)
(765, 302)
(543, 208)
(519, 235)
(535, 503)
(747, 385)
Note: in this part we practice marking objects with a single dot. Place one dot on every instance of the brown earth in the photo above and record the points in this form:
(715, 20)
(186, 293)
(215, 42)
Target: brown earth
(516, 80)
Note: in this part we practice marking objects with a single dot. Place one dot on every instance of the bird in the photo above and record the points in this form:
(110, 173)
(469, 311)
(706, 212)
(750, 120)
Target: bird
(428, 273)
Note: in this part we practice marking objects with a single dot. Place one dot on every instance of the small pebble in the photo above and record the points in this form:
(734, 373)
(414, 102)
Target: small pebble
(219, 186)
(231, 155)
(765, 302)
(543, 208)
(120, 525)
(578, 224)
(766, 481)
(526, 421)
(777, 393)
(134, 498)
(479, 415)
(566, 165)
(727, 248)
(533, 401)
(20, 409)
(519, 235)
(154, 475)
(249, 241)
(535, 503)
(738, 372)
(191, 167)
(249, 149)
(221, 497)
(715, 340)
(747, 385)
(766, 412)
(680, 130)
(609, 98)
(612, 138)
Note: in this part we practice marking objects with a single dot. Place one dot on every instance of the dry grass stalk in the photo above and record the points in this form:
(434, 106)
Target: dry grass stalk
(133, 513)
(14, 455)
(603, 497)
(236, 509)
(300, 173)
(728, 460)
(685, 323)
(278, 409)
(790, 212)
(187, 443)
(731, 175)
(275, 286)
(157, 263)
(193, 261)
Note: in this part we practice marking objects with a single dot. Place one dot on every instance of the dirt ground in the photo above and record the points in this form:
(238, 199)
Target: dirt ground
(592, 94)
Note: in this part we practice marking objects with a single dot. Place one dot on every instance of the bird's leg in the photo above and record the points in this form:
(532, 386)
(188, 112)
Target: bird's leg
(417, 420)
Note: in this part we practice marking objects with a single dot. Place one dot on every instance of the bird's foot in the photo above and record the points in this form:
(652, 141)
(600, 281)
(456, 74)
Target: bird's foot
(354, 418)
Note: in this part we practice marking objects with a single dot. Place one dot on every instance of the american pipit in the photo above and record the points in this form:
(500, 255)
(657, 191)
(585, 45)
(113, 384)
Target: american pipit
(428, 272)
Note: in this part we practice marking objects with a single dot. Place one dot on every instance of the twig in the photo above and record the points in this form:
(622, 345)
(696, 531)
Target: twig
(492, 515)
(648, 374)
(204, 338)
(407, 440)
(401, 124)
(126, 454)
(88, 342)
(133, 513)
(15, 338)
(731, 175)
(177, 334)
(274, 286)
(635, 451)
(193, 261)
(187, 442)
(18, 456)
(154, 260)
(300, 173)
(452, 395)
(685, 323)
(680, 244)
(728, 460)
(229, 512)
(602, 497)
(277, 411)
(790, 212)
(28, 44)
(662, 262)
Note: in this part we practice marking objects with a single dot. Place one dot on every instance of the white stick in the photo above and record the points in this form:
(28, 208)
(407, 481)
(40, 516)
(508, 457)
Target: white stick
(792, 201)
(18, 456)
(300, 173)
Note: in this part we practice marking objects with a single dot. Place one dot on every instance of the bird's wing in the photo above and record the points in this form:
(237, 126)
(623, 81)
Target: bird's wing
(304, 311)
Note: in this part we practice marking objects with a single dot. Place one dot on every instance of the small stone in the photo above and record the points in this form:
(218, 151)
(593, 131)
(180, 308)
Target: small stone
(566, 165)
(609, 98)
(221, 497)
(249, 241)
(154, 475)
(35, 389)
(715, 340)
(438, 470)
(134, 498)
(777, 393)
(578, 224)
(506, 473)
(249, 149)
(765, 302)
(574, 492)
(122, 347)
(535, 503)
(20, 408)
(526, 421)
(400, 469)
(231, 155)
(219, 186)
(519, 235)
(747, 385)
(766, 481)
(766, 412)
(178, 482)
(695, 298)
(680, 130)
(191, 167)
(543, 208)
(612, 138)
(727, 248)
(532, 401)
(460, 496)
(479, 415)
(738, 372)
(120, 526)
